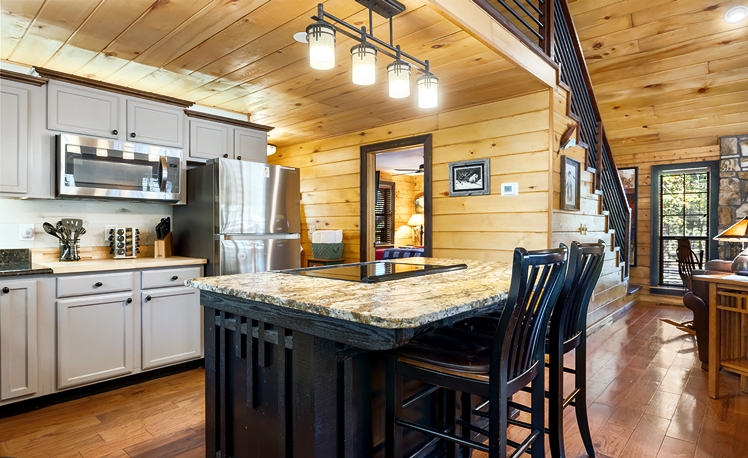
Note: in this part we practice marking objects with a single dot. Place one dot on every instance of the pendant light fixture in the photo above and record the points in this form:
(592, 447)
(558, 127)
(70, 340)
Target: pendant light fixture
(321, 37)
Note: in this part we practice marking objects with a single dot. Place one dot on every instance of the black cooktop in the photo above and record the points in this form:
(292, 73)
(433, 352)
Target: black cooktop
(373, 272)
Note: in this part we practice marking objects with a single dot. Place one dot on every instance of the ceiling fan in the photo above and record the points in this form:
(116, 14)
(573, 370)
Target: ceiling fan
(407, 171)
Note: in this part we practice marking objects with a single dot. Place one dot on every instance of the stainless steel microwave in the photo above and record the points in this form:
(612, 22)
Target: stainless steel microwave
(110, 169)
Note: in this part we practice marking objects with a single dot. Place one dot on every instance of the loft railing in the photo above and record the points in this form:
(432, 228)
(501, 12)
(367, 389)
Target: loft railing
(547, 28)
(530, 20)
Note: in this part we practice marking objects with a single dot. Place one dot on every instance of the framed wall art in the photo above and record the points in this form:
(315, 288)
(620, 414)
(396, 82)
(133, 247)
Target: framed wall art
(629, 178)
(470, 178)
(570, 183)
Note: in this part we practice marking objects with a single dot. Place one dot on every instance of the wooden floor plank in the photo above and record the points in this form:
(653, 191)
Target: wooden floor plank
(647, 397)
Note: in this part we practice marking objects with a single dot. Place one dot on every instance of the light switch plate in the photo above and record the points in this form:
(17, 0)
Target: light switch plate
(26, 231)
(509, 189)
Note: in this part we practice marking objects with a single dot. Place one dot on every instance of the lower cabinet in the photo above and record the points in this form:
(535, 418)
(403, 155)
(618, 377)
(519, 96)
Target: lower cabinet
(94, 338)
(18, 338)
(171, 326)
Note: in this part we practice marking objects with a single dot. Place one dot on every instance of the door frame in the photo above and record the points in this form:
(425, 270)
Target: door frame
(368, 199)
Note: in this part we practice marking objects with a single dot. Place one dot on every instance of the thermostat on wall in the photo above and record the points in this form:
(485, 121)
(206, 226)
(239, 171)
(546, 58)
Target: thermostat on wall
(509, 189)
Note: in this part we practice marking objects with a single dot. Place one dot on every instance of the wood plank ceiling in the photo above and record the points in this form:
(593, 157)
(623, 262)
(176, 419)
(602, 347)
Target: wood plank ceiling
(241, 56)
(669, 75)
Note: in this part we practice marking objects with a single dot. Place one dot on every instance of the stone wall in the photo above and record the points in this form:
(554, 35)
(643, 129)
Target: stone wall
(733, 185)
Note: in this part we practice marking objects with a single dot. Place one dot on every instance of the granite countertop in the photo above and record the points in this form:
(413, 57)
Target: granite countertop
(405, 303)
(17, 262)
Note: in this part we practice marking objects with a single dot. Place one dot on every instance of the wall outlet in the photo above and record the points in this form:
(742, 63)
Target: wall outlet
(26, 231)
(312, 228)
(107, 228)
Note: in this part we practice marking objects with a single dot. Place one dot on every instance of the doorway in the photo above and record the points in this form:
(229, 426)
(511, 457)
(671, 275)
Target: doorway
(371, 230)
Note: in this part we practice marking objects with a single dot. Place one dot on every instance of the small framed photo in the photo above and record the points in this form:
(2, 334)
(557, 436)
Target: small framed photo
(470, 178)
(570, 183)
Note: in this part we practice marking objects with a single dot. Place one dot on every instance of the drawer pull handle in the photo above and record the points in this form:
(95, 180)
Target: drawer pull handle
(129, 300)
(6, 290)
(174, 278)
(98, 283)
(115, 132)
(225, 155)
(239, 158)
(148, 298)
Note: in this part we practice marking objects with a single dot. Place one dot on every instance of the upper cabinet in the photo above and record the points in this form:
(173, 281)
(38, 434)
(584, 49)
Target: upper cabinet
(98, 113)
(215, 136)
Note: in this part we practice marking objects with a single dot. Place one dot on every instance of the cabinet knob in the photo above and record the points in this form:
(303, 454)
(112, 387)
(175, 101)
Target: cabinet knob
(147, 298)
(225, 155)
(132, 135)
(115, 132)
(98, 283)
(6, 290)
(129, 300)
(174, 278)
(239, 158)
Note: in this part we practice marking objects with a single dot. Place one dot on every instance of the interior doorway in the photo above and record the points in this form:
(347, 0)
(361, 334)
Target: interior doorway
(378, 222)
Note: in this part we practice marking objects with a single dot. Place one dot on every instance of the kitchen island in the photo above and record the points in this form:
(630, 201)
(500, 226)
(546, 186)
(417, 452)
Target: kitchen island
(294, 364)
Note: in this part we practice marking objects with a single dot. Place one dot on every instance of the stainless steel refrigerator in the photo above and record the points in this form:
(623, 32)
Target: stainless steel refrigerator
(242, 216)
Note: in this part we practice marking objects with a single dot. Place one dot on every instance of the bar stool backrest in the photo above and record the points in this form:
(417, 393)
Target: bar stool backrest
(569, 316)
(518, 344)
(687, 263)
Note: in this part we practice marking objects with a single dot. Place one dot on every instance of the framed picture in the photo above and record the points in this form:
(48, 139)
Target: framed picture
(630, 178)
(469, 178)
(570, 183)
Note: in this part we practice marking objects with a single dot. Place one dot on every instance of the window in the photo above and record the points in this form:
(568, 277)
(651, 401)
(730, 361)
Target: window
(385, 214)
(685, 198)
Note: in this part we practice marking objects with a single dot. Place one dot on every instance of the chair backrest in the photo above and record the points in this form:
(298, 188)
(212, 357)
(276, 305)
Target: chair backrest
(687, 263)
(519, 341)
(569, 316)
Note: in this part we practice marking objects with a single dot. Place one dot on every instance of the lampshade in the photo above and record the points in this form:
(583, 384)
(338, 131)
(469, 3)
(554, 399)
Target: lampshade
(398, 73)
(271, 149)
(738, 232)
(428, 88)
(364, 64)
(321, 38)
(416, 220)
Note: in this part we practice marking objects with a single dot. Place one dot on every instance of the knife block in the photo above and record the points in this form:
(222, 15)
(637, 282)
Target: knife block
(163, 248)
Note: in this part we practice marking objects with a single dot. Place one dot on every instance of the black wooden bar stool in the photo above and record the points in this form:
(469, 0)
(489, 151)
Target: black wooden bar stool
(567, 332)
(491, 366)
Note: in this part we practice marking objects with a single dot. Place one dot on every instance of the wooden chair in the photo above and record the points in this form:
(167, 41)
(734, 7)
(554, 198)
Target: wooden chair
(687, 263)
(493, 367)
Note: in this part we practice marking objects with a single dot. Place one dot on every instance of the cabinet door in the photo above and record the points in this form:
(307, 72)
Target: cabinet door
(18, 344)
(83, 111)
(14, 112)
(150, 122)
(94, 338)
(250, 145)
(209, 139)
(172, 330)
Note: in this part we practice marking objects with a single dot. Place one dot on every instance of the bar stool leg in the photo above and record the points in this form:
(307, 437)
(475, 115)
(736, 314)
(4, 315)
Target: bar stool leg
(393, 409)
(580, 381)
(449, 407)
(537, 418)
(466, 415)
(556, 401)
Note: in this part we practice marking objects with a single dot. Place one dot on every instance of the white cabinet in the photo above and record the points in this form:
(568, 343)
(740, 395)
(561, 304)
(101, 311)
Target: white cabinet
(18, 338)
(94, 338)
(14, 139)
(98, 113)
(171, 327)
(211, 139)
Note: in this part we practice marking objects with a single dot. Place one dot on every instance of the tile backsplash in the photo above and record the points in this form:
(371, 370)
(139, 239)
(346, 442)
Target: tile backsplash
(95, 215)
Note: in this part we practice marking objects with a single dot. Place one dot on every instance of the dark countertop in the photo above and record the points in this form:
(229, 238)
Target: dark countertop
(17, 262)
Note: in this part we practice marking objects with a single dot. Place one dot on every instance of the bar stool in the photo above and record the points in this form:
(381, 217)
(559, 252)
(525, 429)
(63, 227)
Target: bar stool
(567, 332)
(493, 367)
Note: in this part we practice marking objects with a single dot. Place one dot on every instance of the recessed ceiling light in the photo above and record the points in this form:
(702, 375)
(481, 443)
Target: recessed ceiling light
(300, 37)
(736, 14)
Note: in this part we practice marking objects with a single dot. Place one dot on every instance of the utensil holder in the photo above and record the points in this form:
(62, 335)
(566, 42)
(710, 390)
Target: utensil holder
(69, 250)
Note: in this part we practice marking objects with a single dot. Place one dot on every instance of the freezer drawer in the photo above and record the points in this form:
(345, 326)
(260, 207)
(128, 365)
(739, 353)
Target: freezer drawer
(247, 255)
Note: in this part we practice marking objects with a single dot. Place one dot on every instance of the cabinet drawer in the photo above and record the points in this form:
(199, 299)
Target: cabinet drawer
(167, 277)
(80, 285)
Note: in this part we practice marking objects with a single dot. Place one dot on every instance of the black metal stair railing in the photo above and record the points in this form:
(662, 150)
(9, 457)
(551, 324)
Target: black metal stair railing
(529, 20)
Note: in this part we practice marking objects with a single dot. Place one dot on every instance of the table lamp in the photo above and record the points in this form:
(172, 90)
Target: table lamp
(738, 232)
(417, 221)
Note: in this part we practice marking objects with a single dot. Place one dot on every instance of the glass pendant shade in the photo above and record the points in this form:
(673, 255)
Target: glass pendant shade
(364, 64)
(428, 91)
(398, 73)
(321, 38)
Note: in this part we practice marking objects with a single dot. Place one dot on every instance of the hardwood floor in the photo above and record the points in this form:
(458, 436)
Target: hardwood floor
(647, 398)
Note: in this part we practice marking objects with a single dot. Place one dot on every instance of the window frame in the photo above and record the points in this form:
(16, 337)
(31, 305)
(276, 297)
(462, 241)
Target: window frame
(391, 186)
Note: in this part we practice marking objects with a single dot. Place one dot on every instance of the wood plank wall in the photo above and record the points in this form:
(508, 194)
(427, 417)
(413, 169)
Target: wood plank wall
(671, 77)
(513, 133)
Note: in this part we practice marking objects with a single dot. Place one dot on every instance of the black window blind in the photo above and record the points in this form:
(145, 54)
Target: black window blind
(385, 213)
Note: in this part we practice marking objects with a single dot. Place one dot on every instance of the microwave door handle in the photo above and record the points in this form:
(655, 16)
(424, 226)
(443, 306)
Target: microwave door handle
(164, 174)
